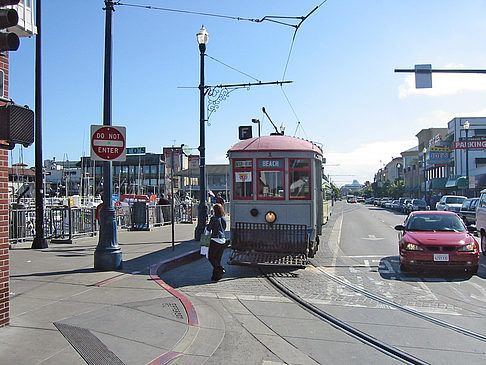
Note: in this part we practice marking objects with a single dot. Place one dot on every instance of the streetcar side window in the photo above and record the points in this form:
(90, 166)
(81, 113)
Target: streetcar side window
(242, 177)
(270, 174)
(299, 175)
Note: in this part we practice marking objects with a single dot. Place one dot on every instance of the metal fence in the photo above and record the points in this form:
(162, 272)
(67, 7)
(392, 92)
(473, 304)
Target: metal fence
(62, 223)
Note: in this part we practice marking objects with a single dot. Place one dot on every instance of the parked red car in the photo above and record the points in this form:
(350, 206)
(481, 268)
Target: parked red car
(436, 239)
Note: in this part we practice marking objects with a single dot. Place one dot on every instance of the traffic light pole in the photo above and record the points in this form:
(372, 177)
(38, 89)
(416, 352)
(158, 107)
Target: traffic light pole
(108, 255)
(39, 239)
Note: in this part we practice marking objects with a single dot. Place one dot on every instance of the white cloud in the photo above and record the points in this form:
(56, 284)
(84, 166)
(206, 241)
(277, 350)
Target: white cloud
(444, 84)
(440, 118)
(362, 163)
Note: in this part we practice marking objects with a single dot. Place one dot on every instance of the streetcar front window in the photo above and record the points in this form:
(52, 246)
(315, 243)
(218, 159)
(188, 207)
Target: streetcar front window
(299, 173)
(271, 184)
(243, 182)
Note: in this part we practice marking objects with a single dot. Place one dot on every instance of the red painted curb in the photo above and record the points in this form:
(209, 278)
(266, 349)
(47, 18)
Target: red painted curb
(192, 319)
(165, 358)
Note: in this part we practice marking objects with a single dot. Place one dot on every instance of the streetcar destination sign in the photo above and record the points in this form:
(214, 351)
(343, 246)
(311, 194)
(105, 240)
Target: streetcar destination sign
(108, 143)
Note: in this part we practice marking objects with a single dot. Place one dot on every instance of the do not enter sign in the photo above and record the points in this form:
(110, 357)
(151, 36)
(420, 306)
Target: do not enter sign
(108, 143)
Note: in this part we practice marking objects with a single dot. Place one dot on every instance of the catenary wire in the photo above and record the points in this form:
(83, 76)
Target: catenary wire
(269, 18)
(287, 64)
(232, 68)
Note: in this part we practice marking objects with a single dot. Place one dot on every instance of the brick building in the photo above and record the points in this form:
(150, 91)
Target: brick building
(24, 28)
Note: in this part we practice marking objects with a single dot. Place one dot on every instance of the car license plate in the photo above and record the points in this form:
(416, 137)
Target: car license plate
(441, 257)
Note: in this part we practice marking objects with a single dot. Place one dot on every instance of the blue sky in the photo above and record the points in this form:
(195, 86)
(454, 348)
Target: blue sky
(344, 92)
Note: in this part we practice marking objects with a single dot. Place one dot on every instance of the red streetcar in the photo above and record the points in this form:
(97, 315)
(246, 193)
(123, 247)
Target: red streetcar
(276, 200)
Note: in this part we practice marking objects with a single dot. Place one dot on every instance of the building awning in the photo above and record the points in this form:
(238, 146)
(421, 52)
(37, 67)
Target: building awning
(460, 182)
(438, 183)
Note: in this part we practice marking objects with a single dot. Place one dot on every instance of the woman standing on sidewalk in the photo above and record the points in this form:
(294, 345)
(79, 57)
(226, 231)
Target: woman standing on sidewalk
(217, 226)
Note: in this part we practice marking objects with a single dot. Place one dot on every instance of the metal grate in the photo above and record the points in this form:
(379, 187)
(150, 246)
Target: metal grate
(277, 244)
(276, 238)
(266, 258)
(91, 349)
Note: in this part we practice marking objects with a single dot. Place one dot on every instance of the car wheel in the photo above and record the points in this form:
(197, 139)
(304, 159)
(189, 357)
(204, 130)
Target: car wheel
(473, 270)
(483, 243)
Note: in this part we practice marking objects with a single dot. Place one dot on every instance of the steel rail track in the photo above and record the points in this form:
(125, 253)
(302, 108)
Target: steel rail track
(390, 303)
(351, 331)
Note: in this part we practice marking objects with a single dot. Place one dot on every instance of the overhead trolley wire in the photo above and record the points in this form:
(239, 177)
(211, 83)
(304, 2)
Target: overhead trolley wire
(299, 124)
(282, 20)
(232, 68)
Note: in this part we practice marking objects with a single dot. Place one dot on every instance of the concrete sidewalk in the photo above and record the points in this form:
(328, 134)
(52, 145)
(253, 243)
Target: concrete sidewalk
(62, 311)
(65, 312)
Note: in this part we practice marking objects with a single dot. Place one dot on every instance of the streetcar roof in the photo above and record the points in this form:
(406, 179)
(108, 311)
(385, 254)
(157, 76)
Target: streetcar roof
(275, 143)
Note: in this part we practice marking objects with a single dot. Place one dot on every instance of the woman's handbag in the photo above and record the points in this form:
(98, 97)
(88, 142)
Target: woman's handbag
(204, 242)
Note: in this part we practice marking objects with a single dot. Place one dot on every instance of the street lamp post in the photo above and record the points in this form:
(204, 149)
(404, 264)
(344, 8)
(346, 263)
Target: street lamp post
(108, 254)
(202, 40)
(466, 129)
(399, 165)
(425, 175)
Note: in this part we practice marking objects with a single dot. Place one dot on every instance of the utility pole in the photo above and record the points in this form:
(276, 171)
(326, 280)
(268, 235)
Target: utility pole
(39, 239)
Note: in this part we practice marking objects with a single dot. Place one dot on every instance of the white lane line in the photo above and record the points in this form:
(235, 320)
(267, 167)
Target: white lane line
(430, 294)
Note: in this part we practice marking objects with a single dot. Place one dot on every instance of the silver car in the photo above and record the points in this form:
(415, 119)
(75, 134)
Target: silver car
(452, 203)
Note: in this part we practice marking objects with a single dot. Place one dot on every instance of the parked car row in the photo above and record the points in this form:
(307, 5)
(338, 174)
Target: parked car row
(451, 203)
(468, 211)
(404, 205)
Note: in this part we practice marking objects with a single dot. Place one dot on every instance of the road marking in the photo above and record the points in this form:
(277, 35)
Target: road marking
(482, 290)
(363, 256)
(372, 237)
(430, 294)
(337, 240)
(389, 267)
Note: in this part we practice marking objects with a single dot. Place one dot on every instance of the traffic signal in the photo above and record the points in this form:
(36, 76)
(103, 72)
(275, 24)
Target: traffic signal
(16, 125)
(8, 18)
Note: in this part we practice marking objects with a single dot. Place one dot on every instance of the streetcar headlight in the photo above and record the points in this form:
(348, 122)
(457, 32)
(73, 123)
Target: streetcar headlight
(254, 212)
(471, 247)
(412, 247)
(270, 217)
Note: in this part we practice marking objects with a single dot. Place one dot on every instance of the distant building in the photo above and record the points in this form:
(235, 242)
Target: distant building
(217, 180)
(476, 155)
(354, 186)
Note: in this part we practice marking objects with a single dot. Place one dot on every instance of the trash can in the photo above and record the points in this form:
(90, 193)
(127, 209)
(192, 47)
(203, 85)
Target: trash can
(139, 217)
(18, 224)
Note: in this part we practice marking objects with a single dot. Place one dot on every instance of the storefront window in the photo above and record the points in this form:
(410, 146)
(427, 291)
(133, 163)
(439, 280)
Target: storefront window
(270, 174)
(243, 180)
(299, 174)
